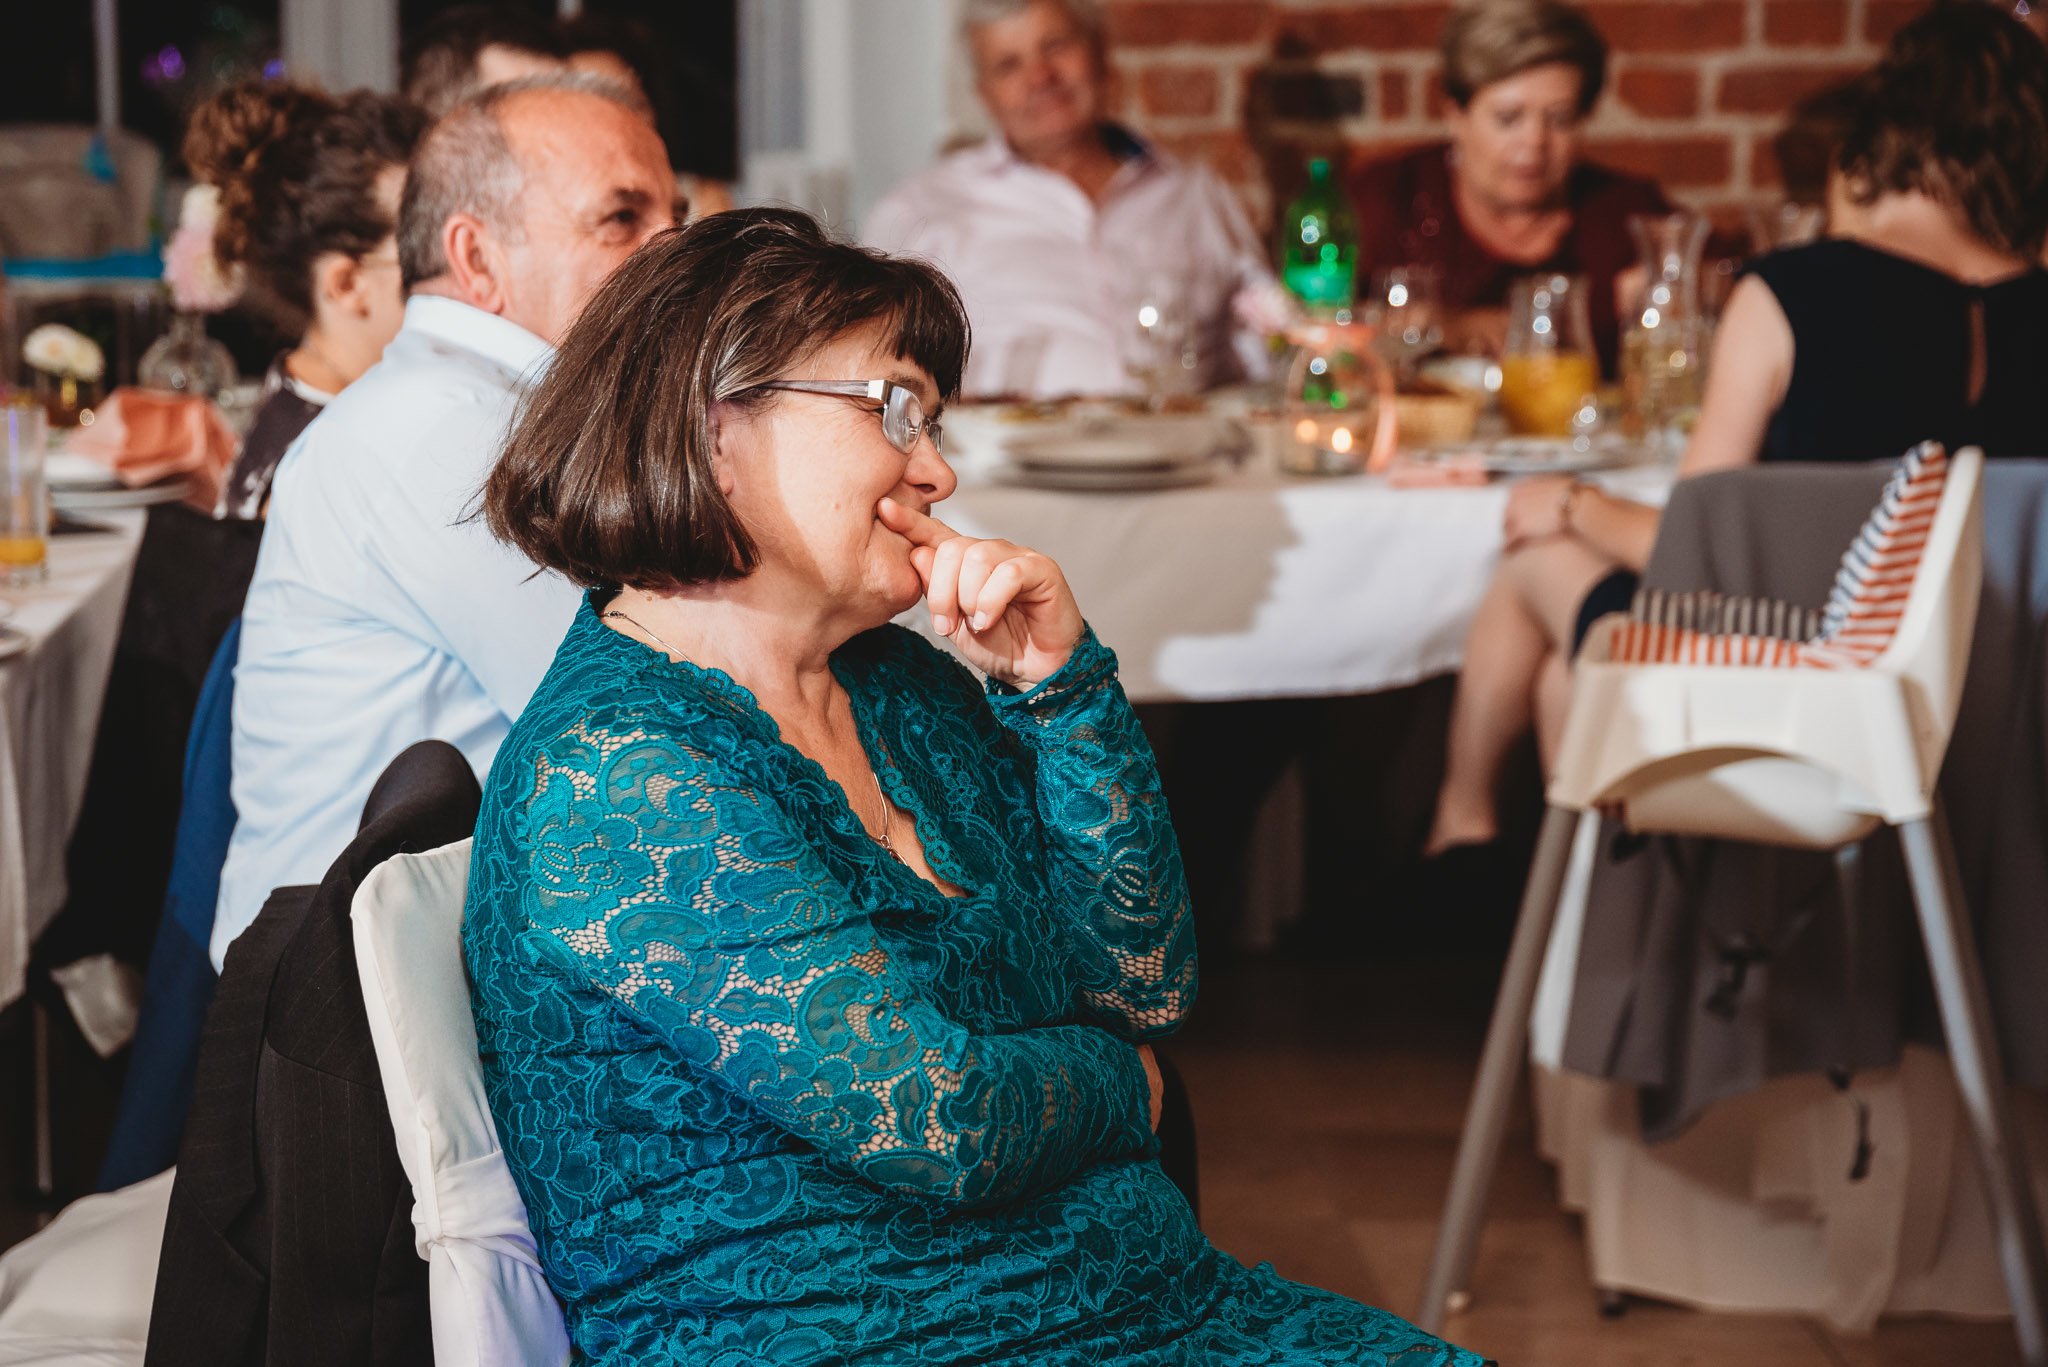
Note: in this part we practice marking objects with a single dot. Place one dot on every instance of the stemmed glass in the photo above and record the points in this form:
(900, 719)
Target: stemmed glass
(1406, 309)
(1158, 339)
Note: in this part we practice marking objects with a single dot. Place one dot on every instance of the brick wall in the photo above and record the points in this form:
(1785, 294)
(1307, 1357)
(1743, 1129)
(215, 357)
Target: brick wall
(1696, 88)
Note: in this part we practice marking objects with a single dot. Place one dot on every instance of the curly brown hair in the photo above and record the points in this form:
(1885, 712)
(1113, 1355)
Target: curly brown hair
(297, 171)
(1958, 110)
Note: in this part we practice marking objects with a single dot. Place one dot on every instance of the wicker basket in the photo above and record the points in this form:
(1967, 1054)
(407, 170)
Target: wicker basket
(1429, 419)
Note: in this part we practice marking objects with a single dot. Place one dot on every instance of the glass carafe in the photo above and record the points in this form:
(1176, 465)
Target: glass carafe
(1664, 335)
(187, 361)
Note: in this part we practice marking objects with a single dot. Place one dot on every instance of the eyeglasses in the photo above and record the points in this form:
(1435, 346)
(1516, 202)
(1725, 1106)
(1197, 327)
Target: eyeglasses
(902, 414)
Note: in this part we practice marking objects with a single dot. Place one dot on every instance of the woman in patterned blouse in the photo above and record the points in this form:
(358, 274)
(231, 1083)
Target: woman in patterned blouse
(814, 977)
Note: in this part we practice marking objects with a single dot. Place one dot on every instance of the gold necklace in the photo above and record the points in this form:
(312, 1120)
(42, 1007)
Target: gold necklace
(886, 839)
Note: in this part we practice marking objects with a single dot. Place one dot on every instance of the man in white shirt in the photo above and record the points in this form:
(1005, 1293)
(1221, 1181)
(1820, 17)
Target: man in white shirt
(379, 614)
(1062, 227)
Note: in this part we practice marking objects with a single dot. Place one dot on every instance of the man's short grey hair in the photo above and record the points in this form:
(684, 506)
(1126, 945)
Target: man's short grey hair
(976, 14)
(464, 165)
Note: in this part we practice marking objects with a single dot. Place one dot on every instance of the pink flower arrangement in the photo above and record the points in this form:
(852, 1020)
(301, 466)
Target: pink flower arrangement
(198, 282)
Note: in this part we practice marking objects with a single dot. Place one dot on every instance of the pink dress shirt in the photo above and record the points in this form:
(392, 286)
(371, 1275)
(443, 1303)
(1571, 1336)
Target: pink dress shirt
(1053, 282)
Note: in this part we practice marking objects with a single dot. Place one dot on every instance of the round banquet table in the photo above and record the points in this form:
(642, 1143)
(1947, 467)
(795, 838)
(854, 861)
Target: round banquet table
(50, 697)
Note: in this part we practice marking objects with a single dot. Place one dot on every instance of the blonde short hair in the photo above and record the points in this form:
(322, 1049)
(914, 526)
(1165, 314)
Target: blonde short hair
(1490, 40)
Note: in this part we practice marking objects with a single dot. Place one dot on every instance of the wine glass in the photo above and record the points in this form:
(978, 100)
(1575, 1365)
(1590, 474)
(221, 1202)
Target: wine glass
(1157, 339)
(1406, 307)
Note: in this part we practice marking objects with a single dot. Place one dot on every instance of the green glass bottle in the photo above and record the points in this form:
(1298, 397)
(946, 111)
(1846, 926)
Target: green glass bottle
(1319, 243)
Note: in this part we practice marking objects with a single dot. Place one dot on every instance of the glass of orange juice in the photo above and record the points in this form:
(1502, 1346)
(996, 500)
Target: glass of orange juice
(24, 502)
(1549, 378)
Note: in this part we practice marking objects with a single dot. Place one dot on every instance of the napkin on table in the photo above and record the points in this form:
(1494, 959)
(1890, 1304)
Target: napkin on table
(147, 435)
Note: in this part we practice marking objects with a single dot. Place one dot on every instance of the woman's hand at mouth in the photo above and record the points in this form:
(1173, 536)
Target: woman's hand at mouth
(1006, 608)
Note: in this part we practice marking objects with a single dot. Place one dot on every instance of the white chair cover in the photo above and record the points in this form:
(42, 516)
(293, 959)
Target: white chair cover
(490, 1300)
(78, 1293)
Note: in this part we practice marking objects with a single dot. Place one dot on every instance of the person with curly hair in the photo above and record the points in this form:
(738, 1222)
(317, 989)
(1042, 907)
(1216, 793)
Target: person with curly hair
(308, 187)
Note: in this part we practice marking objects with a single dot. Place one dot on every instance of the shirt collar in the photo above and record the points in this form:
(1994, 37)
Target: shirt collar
(498, 340)
(1133, 150)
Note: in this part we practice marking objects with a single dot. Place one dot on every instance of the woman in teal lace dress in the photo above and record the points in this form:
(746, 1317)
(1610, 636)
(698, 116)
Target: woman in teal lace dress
(812, 976)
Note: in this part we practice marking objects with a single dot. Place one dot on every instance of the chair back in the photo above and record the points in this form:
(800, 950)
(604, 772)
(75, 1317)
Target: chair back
(55, 203)
(490, 1299)
(1931, 646)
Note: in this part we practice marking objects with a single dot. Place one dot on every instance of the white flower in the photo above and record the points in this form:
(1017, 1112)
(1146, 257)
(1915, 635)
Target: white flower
(66, 352)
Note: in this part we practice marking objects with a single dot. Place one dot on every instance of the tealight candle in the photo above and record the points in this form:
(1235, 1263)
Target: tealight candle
(1324, 446)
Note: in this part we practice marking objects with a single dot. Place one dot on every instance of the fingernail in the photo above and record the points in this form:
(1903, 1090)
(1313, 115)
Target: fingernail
(981, 621)
(942, 624)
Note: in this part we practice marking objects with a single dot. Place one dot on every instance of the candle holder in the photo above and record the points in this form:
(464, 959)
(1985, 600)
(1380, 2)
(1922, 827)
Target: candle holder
(1337, 413)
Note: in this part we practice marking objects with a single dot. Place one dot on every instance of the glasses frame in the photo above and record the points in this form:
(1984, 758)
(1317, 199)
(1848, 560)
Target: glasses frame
(902, 412)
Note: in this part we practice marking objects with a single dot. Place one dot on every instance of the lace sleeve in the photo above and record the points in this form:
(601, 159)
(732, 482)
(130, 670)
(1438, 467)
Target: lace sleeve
(691, 898)
(1115, 865)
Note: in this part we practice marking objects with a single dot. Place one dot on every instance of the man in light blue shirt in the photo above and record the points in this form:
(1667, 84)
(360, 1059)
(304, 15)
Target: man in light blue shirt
(379, 615)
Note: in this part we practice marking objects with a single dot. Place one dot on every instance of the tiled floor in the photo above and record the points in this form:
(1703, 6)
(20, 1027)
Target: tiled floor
(1327, 1104)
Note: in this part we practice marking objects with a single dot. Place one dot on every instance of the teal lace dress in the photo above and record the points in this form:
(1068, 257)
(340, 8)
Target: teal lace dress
(772, 1098)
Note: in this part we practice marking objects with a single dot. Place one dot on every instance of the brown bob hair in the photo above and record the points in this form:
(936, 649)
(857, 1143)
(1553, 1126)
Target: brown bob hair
(1490, 40)
(1958, 110)
(608, 474)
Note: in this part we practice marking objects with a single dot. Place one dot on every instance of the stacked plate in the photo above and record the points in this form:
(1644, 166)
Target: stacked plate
(1164, 451)
(84, 485)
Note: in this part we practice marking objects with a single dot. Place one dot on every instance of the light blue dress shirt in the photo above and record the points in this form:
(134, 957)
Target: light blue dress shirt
(378, 615)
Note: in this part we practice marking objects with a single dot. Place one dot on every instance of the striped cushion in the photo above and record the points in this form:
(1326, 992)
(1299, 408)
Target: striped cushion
(1863, 610)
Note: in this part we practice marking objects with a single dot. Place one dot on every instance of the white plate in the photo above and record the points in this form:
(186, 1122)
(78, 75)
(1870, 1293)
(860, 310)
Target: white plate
(104, 500)
(63, 470)
(12, 642)
(1123, 443)
(1533, 455)
(1112, 480)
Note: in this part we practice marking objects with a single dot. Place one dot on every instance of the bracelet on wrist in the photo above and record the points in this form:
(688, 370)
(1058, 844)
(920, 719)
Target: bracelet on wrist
(1565, 503)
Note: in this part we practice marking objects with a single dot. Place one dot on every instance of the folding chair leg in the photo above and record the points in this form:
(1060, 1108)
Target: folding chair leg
(1973, 1050)
(1499, 1065)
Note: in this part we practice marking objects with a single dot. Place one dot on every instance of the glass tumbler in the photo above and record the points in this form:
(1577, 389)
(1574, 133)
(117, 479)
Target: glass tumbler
(24, 499)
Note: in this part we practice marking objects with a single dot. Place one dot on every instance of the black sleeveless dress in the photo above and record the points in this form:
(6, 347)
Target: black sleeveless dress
(1883, 354)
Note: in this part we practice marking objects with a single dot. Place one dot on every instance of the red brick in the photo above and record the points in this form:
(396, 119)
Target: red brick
(1764, 171)
(1201, 23)
(1434, 101)
(1666, 93)
(1775, 89)
(1394, 95)
(1670, 25)
(1188, 91)
(1806, 23)
(1883, 18)
(1683, 161)
(1379, 28)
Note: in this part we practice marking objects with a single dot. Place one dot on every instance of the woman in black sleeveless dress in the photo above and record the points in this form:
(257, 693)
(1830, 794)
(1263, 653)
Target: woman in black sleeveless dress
(1924, 317)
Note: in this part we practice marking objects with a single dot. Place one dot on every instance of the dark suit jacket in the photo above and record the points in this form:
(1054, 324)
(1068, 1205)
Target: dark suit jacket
(290, 1237)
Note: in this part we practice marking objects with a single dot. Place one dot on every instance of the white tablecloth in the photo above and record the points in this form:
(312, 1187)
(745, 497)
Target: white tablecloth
(1262, 586)
(1258, 586)
(49, 710)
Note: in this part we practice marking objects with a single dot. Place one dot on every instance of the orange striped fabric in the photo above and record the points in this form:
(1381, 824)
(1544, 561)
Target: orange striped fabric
(1860, 618)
